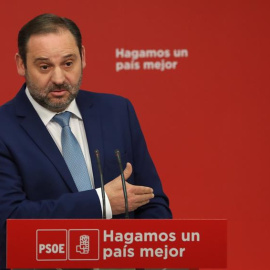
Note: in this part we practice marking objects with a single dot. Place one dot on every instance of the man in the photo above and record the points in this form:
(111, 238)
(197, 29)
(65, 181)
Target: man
(38, 178)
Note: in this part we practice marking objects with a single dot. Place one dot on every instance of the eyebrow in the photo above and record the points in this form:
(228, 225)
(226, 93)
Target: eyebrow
(48, 59)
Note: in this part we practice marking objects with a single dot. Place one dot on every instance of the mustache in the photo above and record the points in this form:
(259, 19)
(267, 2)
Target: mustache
(63, 86)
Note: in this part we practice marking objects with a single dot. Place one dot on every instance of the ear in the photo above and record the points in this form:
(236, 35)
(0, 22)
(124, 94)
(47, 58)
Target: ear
(83, 57)
(20, 65)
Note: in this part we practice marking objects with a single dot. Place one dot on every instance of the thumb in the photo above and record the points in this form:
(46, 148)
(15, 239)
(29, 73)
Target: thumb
(128, 171)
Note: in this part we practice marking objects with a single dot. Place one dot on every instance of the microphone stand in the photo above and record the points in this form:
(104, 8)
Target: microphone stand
(118, 155)
(102, 183)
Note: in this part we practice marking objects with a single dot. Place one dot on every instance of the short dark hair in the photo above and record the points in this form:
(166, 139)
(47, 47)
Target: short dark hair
(44, 24)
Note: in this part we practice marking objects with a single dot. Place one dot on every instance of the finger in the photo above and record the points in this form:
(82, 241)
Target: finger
(139, 200)
(128, 171)
(134, 205)
(144, 197)
(139, 204)
(138, 190)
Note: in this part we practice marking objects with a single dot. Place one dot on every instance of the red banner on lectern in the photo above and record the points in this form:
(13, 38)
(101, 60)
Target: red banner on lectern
(116, 243)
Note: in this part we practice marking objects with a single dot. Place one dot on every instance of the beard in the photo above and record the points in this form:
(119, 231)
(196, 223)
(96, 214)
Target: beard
(55, 104)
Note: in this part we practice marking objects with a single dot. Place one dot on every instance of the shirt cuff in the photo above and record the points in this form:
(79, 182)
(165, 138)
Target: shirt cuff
(107, 203)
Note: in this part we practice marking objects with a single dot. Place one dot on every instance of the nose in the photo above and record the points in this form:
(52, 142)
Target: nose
(58, 76)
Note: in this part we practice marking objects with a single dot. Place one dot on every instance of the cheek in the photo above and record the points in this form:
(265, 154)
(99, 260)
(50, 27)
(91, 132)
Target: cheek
(40, 80)
(73, 77)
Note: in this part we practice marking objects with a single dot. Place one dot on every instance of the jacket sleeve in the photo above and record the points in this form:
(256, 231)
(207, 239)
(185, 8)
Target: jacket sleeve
(14, 202)
(146, 174)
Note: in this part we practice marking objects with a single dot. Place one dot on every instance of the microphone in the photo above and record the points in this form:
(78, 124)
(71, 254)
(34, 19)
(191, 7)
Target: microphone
(118, 155)
(102, 183)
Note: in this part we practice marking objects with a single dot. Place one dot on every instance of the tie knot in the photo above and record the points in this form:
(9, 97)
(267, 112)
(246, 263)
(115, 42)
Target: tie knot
(62, 118)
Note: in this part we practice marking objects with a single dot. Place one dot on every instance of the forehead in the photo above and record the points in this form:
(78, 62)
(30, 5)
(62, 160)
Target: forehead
(52, 44)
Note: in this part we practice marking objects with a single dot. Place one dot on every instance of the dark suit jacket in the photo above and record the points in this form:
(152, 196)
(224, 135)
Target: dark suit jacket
(34, 179)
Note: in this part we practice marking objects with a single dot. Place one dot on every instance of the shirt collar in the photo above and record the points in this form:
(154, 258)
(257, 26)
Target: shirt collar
(47, 115)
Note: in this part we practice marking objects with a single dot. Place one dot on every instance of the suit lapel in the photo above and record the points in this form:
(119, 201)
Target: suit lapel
(34, 127)
(93, 128)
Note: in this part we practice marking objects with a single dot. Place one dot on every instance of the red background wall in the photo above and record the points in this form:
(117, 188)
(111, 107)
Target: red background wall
(206, 122)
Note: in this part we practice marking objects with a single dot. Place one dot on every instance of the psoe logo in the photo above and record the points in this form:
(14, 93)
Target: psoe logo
(51, 245)
(83, 244)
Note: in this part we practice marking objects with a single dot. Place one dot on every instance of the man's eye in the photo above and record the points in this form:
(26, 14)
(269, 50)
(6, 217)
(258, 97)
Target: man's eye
(68, 64)
(44, 67)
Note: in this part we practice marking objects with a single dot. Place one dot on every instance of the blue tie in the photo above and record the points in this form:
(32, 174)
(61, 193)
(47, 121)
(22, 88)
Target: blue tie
(72, 153)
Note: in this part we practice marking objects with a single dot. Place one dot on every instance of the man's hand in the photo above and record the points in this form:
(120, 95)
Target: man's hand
(137, 195)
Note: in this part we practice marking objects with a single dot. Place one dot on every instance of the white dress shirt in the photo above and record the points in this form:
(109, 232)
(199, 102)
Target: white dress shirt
(77, 128)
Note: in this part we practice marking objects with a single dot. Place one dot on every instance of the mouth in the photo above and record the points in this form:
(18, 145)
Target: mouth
(58, 92)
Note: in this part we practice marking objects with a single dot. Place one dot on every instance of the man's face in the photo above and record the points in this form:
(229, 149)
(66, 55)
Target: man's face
(54, 69)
